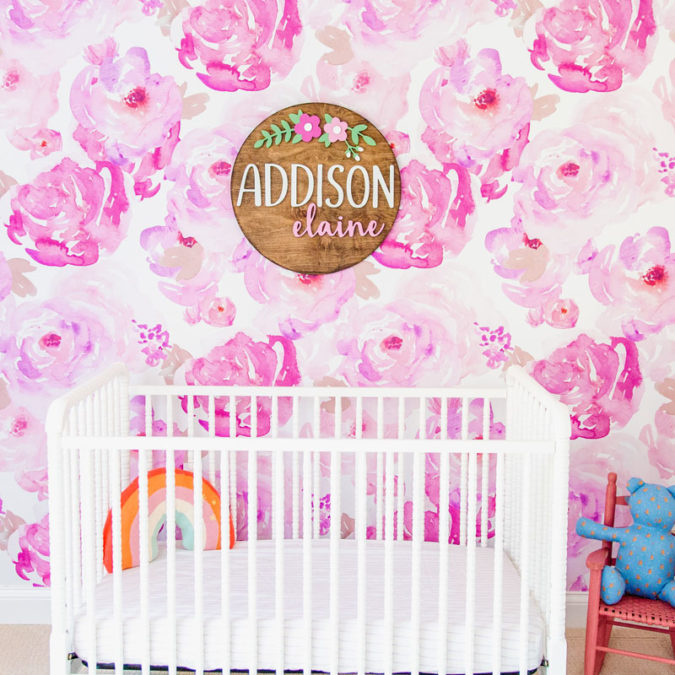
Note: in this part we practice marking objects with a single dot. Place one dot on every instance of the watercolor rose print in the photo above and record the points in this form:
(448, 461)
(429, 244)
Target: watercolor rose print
(537, 154)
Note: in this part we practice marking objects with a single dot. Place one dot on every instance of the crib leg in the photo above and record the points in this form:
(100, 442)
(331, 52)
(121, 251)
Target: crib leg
(59, 663)
(556, 655)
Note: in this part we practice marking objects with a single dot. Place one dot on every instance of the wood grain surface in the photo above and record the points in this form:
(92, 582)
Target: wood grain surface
(270, 228)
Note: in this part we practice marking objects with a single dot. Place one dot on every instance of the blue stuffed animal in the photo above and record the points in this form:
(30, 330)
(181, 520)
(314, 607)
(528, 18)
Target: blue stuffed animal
(645, 561)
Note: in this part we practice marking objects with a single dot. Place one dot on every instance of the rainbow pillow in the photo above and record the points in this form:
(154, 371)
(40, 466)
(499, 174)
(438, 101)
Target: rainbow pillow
(185, 519)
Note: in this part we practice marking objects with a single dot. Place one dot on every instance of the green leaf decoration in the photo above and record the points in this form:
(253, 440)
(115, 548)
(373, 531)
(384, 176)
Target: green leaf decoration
(259, 143)
(295, 117)
(285, 125)
(367, 140)
(268, 142)
(297, 138)
(275, 129)
(324, 139)
(355, 136)
(328, 118)
(266, 134)
(360, 127)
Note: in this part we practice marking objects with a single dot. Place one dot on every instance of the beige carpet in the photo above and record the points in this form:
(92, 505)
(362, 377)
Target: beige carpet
(24, 650)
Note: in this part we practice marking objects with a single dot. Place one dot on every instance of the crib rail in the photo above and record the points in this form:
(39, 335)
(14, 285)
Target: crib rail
(354, 470)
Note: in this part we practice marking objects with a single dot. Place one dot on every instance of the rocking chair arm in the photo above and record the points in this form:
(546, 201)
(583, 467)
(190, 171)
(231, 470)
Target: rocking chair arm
(597, 559)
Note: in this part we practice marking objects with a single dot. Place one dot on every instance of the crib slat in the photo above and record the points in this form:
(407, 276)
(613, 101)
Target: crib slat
(464, 477)
(470, 610)
(143, 546)
(233, 461)
(417, 539)
(379, 487)
(253, 542)
(485, 477)
(443, 536)
(225, 497)
(198, 550)
(525, 563)
(116, 485)
(498, 571)
(171, 541)
(307, 498)
(335, 516)
(360, 531)
(278, 534)
(89, 557)
(400, 488)
(389, 566)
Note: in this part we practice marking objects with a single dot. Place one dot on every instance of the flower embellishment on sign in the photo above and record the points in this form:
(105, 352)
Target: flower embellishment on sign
(301, 127)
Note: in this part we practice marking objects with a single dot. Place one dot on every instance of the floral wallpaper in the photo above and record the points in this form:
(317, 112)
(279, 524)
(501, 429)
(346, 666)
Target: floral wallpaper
(536, 141)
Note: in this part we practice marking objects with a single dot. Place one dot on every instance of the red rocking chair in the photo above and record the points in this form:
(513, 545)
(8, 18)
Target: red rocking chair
(631, 611)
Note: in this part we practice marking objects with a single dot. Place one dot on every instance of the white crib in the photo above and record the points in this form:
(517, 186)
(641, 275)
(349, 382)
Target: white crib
(331, 571)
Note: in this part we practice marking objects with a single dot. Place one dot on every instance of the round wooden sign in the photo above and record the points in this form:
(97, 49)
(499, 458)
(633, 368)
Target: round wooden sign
(315, 188)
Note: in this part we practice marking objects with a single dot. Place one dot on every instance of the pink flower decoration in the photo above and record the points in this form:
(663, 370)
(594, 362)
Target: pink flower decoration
(599, 382)
(243, 361)
(561, 313)
(29, 548)
(240, 44)
(308, 127)
(639, 283)
(435, 218)
(70, 214)
(23, 439)
(591, 46)
(297, 303)
(41, 142)
(336, 130)
(126, 114)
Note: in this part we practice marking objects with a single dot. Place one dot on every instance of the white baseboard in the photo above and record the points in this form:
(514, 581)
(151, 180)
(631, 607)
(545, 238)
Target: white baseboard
(31, 605)
(24, 605)
(576, 609)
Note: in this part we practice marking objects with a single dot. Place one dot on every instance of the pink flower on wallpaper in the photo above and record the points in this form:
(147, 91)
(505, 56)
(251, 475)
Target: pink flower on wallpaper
(436, 216)
(44, 34)
(573, 183)
(476, 427)
(188, 273)
(638, 283)
(664, 88)
(154, 341)
(599, 382)
(126, 114)
(381, 21)
(34, 481)
(23, 439)
(534, 275)
(29, 549)
(240, 44)
(51, 345)
(591, 45)
(243, 361)
(40, 141)
(660, 450)
(297, 303)
(70, 214)
(408, 343)
(27, 99)
(6, 279)
(199, 199)
(379, 97)
(214, 310)
(475, 114)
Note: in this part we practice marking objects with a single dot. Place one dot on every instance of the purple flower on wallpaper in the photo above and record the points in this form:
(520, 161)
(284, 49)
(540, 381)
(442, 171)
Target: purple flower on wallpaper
(27, 99)
(534, 275)
(126, 114)
(70, 214)
(475, 114)
(639, 282)
(240, 44)
(599, 382)
(591, 45)
(298, 303)
(666, 163)
(573, 183)
(22, 438)
(29, 549)
(436, 216)
(52, 345)
(242, 360)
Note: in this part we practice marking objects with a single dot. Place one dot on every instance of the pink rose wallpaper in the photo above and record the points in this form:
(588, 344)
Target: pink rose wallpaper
(536, 146)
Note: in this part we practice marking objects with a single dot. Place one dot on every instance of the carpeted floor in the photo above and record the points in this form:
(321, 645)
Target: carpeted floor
(24, 650)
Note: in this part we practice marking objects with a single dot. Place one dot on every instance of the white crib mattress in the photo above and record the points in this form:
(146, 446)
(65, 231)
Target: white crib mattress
(187, 631)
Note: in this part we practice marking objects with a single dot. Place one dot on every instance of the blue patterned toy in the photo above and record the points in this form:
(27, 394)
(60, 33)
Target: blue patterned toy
(645, 561)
